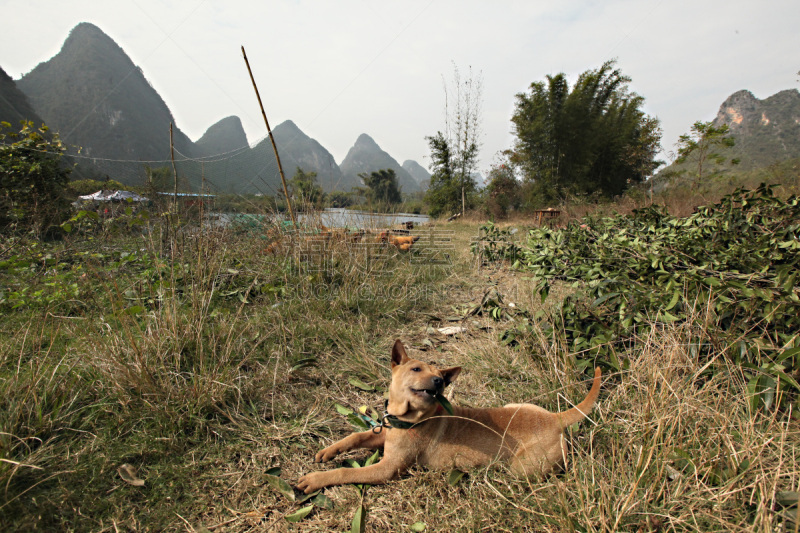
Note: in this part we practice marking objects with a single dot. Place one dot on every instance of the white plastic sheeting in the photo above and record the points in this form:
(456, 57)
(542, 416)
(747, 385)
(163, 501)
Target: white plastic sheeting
(112, 196)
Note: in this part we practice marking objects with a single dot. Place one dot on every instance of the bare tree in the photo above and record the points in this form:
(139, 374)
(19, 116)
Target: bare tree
(463, 121)
(452, 182)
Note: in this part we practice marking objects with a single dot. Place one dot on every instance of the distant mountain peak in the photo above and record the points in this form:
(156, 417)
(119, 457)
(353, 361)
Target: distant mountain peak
(745, 114)
(743, 95)
(87, 36)
(764, 131)
(418, 172)
(298, 150)
(224, 136)
(367, 156)
(97, 98)
(14, 105)
(289, 125)
(93, 94)
(366, 141)
(735, 107)
(86, 28)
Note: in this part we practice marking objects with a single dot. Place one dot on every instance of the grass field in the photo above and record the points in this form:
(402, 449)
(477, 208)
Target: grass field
(206, 364)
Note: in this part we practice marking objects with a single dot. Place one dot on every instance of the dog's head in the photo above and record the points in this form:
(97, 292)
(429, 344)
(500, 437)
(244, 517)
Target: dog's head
(415, 385)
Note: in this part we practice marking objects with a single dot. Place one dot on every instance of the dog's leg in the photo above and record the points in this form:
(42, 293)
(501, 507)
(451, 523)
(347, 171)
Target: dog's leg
(387, 469)
(365, 439)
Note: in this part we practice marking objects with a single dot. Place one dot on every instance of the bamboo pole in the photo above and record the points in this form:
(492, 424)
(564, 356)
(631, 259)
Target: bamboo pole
(272, 140)
(174, 170)
(202, 192)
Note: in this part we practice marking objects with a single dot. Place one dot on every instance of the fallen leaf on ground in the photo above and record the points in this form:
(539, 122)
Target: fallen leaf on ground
(452, 330)
(128, 475)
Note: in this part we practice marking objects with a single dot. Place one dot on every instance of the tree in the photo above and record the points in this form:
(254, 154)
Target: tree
(454, 153)
(303, 187)
(702, 140)
(503, 193)
(444, 192)
(382, 188)
(32, 178)
(340, 199)
(591, 139)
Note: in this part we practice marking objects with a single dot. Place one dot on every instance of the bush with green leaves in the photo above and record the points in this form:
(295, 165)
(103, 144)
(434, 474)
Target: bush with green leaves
(734, 264)
(88, 186)
(32, 178)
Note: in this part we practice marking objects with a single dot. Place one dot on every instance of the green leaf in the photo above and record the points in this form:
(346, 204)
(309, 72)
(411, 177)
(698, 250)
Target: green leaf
(300, 514)
(444, 403)
(788, 379)
(372, 458)
(357, 383)
(603, 298)
(614, 361)
(320, 500)
(752, 393)
(359, 520)
(668, 318)
(305, 497)
(303, 363)
(787, 498)
(454, 476)
(786, 354)
(418, 527)
(768, 387)
(274, 471)
(342, 410)
(676, 296)
(280, 485)
(357, 421)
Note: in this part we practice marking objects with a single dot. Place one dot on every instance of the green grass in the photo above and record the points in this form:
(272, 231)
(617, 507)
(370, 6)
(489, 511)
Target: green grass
(204, 362)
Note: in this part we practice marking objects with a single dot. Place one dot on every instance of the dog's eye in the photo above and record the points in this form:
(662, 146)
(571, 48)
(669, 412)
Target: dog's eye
(416, 369)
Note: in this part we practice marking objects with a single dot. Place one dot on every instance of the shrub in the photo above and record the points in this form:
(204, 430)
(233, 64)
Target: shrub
(32, 178)
(735, 261)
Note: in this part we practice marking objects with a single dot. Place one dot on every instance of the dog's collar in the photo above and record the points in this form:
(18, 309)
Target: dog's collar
(391, 421)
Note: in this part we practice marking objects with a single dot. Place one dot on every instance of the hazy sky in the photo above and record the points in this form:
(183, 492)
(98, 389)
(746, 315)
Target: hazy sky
(346, 67)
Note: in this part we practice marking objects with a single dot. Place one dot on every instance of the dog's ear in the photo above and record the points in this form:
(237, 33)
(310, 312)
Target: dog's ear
(399, 355)
(449, 374)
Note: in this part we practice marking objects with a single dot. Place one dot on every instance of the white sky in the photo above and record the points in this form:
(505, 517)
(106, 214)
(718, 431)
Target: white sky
(346, 67)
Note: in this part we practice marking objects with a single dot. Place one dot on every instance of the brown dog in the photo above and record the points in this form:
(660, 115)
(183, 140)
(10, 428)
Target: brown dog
(420, 431)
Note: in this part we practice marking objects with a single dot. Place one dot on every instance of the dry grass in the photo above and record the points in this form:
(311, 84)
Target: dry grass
(204, 395)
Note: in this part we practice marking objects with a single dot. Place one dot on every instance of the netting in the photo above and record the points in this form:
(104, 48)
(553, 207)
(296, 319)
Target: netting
(244, 170)
(243, 180)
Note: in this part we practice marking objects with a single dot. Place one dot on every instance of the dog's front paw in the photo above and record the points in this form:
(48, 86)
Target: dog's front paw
(311, 482)
(326, 455)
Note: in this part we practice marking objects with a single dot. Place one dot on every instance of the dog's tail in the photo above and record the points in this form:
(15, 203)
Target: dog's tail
(579, 412)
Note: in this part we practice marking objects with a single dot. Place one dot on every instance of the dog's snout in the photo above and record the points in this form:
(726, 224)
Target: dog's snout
(437, 381)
